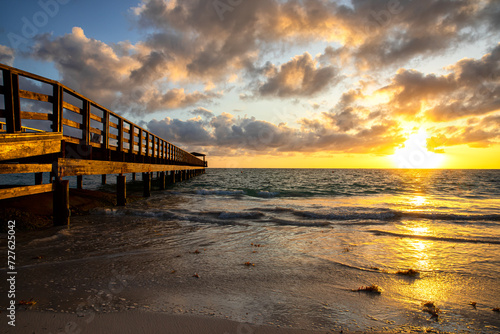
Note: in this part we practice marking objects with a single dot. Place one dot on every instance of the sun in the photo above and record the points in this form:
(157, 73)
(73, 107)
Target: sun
(414, 153)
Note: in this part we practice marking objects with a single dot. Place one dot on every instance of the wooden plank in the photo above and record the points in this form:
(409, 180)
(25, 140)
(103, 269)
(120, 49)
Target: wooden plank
(71, 107)
(25, 94)
(72, 140)
(35, 116)
(70, 167)
(24, 168)
(27, 74)
(71, 123)
(113, 125)
(22, 145)
(25, 191)
(112, 136)
(96, 118)
(94, 130)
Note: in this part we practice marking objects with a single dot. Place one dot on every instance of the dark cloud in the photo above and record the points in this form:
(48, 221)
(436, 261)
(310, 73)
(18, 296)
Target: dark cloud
(123, 77)
(249, 134)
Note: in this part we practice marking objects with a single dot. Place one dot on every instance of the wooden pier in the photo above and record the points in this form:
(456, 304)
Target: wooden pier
(67, 134)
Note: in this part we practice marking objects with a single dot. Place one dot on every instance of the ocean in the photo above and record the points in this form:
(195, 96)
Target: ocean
(288, 247)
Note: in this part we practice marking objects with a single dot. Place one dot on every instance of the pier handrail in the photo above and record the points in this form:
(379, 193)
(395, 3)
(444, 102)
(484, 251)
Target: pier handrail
(98, 127)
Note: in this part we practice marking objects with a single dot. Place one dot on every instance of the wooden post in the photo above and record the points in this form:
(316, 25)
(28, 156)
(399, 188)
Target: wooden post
(121, 190)
(146, 180)
(103, 179)
(38, 178)
(61, 209)
(79, 182)
(162, 181)
(172, 176)
(12, 101)
(133, 177)
(57, 108)
(86, 123)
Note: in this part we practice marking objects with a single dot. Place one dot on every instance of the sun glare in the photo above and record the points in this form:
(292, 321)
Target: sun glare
(414, 153)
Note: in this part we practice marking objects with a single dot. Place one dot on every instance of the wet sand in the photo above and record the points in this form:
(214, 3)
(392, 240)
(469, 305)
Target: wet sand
(137, 323)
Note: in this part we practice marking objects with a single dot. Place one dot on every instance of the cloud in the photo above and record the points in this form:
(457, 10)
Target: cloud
(130, 78)
(205, 113)
(299, 77)
(483, 134)
(227, 133)
(471, 88)
(7, 55)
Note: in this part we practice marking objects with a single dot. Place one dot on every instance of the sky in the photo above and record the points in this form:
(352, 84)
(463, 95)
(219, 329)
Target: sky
(281, 84)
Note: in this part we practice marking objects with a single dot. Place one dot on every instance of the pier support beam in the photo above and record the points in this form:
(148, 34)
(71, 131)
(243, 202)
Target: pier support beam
(162, 181)
(61, 211)
(146, 180)
(38, 178)
(79, 182)
(103, 179)
(133, 177)
(121, 190)
(172, 177)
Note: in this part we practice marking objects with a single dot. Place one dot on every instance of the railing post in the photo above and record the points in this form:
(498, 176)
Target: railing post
(86, 122)
(12, 101)
(105, 129)
(120, 137)
(57, 108)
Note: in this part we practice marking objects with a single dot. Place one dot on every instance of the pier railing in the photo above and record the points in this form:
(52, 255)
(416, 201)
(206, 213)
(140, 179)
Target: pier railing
(104, 134)
(46, 126)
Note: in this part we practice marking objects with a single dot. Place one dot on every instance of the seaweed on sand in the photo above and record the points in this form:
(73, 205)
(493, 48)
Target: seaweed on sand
(409, 272)
(431, 308)
(372, 289)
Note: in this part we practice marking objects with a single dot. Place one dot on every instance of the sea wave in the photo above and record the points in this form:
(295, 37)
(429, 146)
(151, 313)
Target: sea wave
(475, 240)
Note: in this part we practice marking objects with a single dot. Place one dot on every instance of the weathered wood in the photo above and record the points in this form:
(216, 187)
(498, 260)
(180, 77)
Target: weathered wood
(71, 107)
(34, 96)
(95, 118)
(22, 145)
(172, 177)
(70, 167)
(61, 211)
(57, 108)
(12, 101)
(103, 179)
(121, 190)
(146, 180)
(72, 124)
(24, 168)
(162, 181)
(24, 191)
(133, 176)
(35, 116)
(86, 122)
(79, 182)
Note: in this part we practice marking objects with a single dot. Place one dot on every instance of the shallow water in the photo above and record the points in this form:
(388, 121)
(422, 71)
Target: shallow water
(310, 237)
